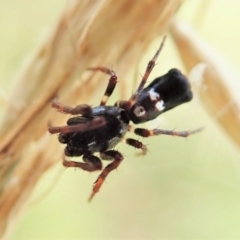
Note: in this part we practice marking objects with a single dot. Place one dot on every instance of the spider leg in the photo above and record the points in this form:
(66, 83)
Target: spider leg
(108, 155)
(147, 133)
(94, 123)
(111, 84)
(149, 68)
(83, 109)
(128, 104)
(91, 163)
(136, 144)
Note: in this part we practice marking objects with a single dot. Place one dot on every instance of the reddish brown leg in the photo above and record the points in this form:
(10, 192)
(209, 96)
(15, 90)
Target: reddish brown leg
(136, 144)
(147, 133)
(91, 163)
(150, 67)
(94, 123)
(82, 109)
(128, 104)
(111, 84)
(108, 155)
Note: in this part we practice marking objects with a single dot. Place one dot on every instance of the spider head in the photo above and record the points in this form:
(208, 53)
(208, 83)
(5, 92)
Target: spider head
(161, 95)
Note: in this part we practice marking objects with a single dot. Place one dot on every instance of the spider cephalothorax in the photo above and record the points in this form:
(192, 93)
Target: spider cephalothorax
(101, 128)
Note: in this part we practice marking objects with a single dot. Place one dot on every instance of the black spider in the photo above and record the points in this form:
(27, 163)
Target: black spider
(101, 128)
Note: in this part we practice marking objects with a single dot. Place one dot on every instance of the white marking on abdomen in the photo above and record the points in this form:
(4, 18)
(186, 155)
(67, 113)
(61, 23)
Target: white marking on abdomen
(153, 95)
(160, 105)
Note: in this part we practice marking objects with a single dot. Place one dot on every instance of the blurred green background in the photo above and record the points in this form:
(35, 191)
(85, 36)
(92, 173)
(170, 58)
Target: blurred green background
(183, 189)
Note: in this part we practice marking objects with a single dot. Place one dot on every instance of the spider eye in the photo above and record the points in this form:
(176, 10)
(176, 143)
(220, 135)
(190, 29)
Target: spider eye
(139, 111)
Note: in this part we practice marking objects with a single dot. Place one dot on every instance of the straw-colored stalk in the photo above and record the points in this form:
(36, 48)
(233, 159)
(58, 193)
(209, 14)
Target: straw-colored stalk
(89, 33)
(213, 91)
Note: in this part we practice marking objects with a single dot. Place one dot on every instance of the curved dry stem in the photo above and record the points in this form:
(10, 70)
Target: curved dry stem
(213, 91)
(88, 33)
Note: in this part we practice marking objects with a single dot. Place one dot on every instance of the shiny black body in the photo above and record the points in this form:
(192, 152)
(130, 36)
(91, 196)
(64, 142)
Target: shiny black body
(101, 128)
(174, 90)
(99, 139)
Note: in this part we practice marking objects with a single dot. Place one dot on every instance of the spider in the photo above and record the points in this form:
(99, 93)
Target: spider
(99, 129)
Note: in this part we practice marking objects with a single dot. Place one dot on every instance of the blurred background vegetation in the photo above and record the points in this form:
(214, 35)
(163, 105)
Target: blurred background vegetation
(182, 189)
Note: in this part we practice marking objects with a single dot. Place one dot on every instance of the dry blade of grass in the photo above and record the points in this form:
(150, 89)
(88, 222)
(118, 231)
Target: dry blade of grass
(88, 33)
(213, 91)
